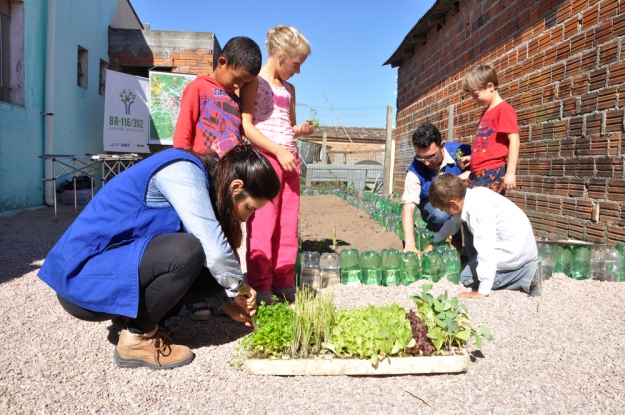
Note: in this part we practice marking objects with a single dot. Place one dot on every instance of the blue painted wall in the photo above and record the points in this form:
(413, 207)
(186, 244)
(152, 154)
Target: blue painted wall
(21, 128)
(78, 112)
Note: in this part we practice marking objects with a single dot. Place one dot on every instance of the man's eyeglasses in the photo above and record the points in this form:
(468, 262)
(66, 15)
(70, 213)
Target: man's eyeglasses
(427, 159)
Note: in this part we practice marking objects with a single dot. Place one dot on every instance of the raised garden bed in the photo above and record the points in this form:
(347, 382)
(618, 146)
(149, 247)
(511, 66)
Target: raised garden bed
(456, 362)
(315, 338)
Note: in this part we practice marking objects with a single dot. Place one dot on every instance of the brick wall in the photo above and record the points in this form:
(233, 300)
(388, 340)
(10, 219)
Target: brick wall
(561, 65)
(183, 52)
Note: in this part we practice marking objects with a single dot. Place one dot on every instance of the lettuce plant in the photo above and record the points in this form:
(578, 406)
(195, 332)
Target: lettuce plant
(447, 321)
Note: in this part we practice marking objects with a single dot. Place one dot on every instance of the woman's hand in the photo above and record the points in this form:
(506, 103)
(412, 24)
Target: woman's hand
(246, 299)
(286, 160)
(429, 247)
(237, 313)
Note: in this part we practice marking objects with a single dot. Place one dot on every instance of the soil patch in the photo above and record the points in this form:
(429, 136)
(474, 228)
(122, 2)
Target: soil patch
(319, 215)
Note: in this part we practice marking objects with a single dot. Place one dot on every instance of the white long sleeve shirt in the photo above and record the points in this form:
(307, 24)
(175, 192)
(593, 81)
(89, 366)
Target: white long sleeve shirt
(502, 234)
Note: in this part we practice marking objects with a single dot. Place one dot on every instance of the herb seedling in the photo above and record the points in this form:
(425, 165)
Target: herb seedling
(314, 120)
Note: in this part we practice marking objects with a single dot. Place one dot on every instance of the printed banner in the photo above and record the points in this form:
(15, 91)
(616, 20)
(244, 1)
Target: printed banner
(165, 96)
(126, 113)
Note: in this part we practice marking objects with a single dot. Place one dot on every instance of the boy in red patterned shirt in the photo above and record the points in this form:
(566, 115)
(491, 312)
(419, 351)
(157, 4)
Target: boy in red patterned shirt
(209, 120)
(497, 137)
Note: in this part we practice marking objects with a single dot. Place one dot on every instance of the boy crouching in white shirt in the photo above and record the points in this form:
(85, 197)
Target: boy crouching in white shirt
(498, 235)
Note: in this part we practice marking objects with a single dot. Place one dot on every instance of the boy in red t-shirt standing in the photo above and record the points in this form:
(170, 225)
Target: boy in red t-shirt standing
(209, 121)
(497, 135)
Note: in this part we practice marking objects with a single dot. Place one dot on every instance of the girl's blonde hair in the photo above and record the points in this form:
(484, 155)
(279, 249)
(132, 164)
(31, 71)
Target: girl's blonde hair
(287, 39)
(478, 77)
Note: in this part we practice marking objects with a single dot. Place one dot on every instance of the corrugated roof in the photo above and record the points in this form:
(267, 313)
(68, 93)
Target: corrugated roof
(418, 34)
(355, 133)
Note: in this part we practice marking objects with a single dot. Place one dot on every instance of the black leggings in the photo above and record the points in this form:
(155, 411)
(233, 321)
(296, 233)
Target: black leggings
(171, 273)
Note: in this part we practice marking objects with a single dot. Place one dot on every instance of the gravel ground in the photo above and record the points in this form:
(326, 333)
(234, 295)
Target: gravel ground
(559, 354)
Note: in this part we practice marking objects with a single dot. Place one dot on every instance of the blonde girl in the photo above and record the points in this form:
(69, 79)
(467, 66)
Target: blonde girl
(268, 121)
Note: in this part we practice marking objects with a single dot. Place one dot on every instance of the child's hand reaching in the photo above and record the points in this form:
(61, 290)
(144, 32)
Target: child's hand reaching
(305, 129)
(509, 181)
(286, 160)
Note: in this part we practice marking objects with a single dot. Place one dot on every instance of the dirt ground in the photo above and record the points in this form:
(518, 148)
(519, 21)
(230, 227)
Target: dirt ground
(319, 215)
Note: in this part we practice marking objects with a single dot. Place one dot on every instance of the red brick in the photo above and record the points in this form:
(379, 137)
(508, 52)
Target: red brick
(614, 121)
(603, 33)
(576, 228)
(590, 17)
(576, 126)
(569, 206)
(585, 167)
(584, 209)
(593, 124)
(607, 8)
(553, 150)
(570, 106)
(615, 140)
(555, 205)
(558, 167)
(609, 212)
(595, 232)
(607, 53)
(617, 74)
(618, 27)
(562, 227)
(577, 187)
(616, 233)
(607, 98)
(589, 60)
(540, 149)
(596, 188)
(605, 166)
(597, 79)
(588, 103)
(567, 147)
(582, 146)
(580, 84)
(599, 146)
(616, 190)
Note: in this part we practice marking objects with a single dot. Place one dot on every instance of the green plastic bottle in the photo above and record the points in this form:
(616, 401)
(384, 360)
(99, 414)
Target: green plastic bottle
(391, 267)
(351, 270)
(431, 266)
(371, 268)
(451, 266)
(411, 268)
(580, 262)
(563, 259)
(620, 247)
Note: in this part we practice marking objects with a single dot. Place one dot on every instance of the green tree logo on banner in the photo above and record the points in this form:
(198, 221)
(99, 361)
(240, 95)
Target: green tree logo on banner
(128, 97)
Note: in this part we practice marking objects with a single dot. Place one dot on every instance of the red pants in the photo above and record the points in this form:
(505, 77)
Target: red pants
(272, 240)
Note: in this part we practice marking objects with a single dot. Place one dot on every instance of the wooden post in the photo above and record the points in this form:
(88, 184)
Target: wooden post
(388, 148)
(324, 152)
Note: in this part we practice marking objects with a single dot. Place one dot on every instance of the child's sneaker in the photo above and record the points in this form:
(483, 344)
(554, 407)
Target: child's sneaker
(535, 288)
(286, 294)
(199, 311)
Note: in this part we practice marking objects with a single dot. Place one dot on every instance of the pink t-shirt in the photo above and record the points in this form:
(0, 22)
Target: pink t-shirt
(272, 113)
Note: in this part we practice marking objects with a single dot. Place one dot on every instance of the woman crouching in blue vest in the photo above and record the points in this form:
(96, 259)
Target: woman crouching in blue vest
(161, 234)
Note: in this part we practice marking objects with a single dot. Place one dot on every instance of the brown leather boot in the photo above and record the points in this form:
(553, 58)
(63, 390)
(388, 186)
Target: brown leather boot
(154, 350)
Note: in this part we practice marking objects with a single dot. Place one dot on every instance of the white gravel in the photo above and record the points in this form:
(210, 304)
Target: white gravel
(565, 358)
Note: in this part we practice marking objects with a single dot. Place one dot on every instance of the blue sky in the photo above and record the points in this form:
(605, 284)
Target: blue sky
(350, 39)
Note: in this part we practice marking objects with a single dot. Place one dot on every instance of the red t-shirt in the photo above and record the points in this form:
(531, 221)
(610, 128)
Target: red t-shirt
(490, 145)
(209, 119)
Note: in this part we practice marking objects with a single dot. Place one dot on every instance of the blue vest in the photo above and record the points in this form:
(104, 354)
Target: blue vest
(96, 262)
(426, 175)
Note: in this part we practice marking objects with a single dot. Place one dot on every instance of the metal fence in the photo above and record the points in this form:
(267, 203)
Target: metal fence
(353, 137)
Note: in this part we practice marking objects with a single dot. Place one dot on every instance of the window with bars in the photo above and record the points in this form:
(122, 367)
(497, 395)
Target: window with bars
(12, 63)
(5, 51)
(83, 67)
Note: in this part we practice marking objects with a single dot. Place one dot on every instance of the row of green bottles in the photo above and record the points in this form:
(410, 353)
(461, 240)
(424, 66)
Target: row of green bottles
(392, 267)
